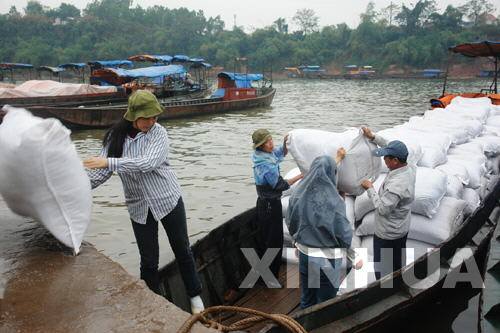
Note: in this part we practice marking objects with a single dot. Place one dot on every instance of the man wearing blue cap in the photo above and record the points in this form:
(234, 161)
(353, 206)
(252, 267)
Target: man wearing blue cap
(392, 203)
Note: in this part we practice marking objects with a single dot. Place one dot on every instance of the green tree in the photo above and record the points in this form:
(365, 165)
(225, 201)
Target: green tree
(307, 20)
(475, 9)
(34, 7)
(280, 25)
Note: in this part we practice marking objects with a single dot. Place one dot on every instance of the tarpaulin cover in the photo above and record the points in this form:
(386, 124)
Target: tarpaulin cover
(9, 65)
(480, 49)
(112, 63)
(242, 80)
(151, 72)
(181, 58)
(73, 65)
(40, 88)
(51, 69)
(151, 58)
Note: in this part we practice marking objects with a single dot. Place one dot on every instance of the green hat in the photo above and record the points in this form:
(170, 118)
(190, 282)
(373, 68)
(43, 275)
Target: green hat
(142, 104)
(259, 137)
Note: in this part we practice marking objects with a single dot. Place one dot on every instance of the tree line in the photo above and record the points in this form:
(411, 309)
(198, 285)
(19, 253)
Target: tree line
(402, 35)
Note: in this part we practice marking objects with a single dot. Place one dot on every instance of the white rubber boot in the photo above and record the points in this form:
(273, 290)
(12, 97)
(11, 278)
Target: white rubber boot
(197, 304)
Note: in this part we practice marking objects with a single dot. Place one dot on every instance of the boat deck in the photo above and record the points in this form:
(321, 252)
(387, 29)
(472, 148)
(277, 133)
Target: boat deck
(271, 300)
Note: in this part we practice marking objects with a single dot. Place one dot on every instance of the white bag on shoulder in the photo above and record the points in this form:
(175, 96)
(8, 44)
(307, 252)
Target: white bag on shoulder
(42, 176)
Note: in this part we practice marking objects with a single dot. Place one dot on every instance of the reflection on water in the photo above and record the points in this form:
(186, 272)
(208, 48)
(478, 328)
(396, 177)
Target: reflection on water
(211, 154)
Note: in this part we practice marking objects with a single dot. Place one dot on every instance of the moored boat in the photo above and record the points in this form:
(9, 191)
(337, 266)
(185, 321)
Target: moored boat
(485, 49)
(222, 267)
(235, 93)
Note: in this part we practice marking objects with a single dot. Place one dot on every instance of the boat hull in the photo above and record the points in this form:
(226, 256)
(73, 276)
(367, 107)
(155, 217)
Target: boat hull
(222, 267)
(106, 116)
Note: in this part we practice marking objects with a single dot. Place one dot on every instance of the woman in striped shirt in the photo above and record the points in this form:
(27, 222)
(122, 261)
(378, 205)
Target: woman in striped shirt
(136, 148)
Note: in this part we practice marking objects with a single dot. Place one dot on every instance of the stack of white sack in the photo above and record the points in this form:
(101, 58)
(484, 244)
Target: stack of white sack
(433, 230)
(434, 146)
(359, 163)
(42, 176)
(472, 108)
(471, 197)
(475, 165)
(494, 110)
(473, 127)
(361, 278)
(457, 133)
(490, 144)
(430, 188)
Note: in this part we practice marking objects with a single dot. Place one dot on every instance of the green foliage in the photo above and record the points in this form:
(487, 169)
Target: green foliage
(409, 35)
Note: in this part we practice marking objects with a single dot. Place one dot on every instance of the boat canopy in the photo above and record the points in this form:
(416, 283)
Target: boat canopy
(152, 58)
(242, 80)
(180, 58)
(157, 73)
(53, 70)
(479, 49)
(74, 65)
(10, 65)
(111, 63)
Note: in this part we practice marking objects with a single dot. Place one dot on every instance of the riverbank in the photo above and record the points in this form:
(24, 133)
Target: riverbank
(44, 288)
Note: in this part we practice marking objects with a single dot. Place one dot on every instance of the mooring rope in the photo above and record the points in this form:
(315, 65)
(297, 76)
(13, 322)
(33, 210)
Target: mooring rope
(257, 316)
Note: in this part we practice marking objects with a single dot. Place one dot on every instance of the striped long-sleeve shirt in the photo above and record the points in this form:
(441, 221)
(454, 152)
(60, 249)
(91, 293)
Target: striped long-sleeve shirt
(144, 168)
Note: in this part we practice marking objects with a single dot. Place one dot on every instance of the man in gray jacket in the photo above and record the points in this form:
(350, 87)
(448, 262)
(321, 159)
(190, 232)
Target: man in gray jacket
(392, 205)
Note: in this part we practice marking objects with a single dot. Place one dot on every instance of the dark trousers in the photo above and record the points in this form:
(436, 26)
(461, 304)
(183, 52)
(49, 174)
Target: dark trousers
(319, 279)
(270, 224)
(146, 236)
(398, 249)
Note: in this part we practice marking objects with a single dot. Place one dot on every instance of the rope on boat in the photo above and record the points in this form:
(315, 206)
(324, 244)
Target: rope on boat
(257, 316)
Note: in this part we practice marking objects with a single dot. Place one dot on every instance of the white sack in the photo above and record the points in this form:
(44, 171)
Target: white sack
(473, 201)
(475, 166)
(42, 176)
(363, 204)
(455, 188)
(440, 117)
(430, 188)
(289, 175)
(455, 170)
(474, 148)
(287, 238)
(361, 278)
(432, 146)
(490, 143)
(493, 121)
(491, 130)
(493, 164)
(434, 231)
(480, 113)
(457, 132)
(359, 163)
(349, 208)
(284, 204)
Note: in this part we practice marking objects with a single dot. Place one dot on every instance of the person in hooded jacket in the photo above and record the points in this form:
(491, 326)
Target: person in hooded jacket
(270, 185)
(317, 221)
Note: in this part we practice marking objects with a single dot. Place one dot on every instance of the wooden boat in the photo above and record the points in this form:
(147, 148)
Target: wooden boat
(222, 268)
(489, 301)
(85, 99)
(229, 97)
(487, 49)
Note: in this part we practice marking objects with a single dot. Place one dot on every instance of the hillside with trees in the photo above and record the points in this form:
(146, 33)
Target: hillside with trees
(400, 35)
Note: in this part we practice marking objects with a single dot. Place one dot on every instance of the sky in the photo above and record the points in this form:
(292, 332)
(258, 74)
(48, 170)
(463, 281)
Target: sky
(259, 13)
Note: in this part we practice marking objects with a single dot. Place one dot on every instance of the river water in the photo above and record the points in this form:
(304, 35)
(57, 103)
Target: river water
(211, 154)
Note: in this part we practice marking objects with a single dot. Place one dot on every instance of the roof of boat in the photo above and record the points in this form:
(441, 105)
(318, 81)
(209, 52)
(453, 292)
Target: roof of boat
(478, 49)
(165, 58)
(73, 65)
(111, 63)
(151, 72)
(51, 69)
(11, 65)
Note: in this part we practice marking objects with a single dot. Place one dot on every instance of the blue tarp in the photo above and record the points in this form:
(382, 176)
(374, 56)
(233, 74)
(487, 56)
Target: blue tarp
(51, 69)
(155, 72)
(10, 65)
(112, 63)
(163, 58)
(181, 58)
(78, 65)
(242, 80)
(196, 59)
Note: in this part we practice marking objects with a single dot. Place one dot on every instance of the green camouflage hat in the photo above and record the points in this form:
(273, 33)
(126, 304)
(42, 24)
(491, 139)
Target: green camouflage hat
(259, 137)
(142, 104)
